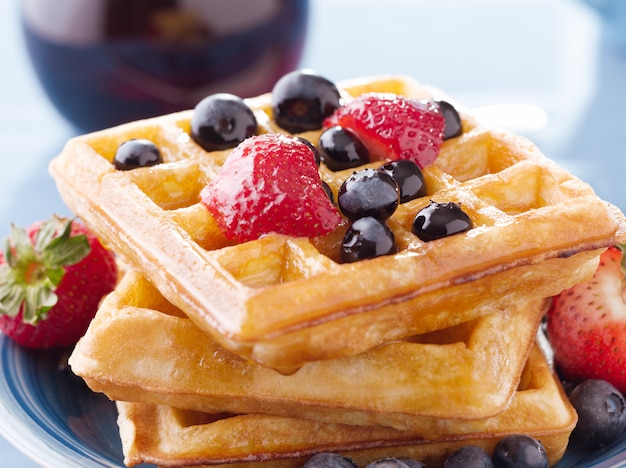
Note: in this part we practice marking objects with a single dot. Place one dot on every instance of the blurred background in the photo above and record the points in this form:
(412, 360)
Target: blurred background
(548, 60)
(553, 70)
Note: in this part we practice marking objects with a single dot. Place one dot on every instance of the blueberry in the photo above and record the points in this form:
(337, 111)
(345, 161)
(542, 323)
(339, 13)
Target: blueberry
(410, 463)
(329, 191)
(301, 100)
(453, 127)
(137, 152)
(601, 412)
(568, 386)
(519, 451)
(470, 456)
(368, 192)
(329, 460)
(341, 149)
(222, 121)
(409, 178)
(367, 238)
(439, 220)
(391, 462)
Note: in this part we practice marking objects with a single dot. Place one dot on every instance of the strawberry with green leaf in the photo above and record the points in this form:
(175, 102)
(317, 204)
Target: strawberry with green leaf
(52, 277)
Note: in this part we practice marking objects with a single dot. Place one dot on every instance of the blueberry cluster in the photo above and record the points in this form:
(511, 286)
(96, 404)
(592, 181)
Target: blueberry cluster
(514, 451)
(368, 198)
(301, 100)
(219, 121)
(335, 460)
(601, 412)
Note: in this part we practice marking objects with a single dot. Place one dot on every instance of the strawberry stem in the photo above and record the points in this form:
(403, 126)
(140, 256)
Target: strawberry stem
(33, 269)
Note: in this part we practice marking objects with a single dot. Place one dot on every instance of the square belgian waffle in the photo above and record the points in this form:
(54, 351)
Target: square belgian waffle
(285, 301)
(141, 348)
(172, 437)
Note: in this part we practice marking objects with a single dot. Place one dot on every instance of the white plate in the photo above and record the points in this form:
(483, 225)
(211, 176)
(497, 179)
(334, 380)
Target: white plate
(53, 417)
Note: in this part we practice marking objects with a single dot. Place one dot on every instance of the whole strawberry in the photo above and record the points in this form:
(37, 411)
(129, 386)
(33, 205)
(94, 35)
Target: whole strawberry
(52, 277)
(587, 325)
(270, 183)
(393, 127)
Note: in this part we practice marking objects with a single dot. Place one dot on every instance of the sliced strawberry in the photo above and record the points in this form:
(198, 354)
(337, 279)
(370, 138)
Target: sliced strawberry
(270, 183)
(393, 127)
(587, 325)
(52, 277)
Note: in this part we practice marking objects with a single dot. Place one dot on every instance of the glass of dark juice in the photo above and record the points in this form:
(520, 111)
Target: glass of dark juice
(105, 62)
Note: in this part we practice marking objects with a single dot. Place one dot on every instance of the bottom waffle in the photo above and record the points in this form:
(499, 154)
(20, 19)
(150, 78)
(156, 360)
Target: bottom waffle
(173, 437)
(139, 348)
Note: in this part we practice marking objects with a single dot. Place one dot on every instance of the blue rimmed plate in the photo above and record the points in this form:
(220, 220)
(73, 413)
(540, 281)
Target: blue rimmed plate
(51, 415)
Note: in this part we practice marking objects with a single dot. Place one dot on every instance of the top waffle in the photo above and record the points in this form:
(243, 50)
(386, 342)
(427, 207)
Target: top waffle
(284, 301)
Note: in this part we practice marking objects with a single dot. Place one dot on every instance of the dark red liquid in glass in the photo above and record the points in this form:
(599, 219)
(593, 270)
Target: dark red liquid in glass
(104, 62)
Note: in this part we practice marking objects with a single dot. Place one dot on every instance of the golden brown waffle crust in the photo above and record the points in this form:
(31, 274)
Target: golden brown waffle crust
(171, 437)
(429, 384)
(286, 301)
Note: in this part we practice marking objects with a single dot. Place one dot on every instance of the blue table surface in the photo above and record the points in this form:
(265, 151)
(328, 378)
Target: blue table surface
(551, 54)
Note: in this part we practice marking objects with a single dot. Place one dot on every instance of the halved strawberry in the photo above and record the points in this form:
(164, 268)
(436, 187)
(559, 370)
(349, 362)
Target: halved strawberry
(270, 183)
(52, 277)
(393, 127)
(587, 325)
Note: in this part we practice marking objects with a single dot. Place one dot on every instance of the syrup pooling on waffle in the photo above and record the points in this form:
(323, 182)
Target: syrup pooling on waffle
(263, 297)
(427, 383)
(165, 435)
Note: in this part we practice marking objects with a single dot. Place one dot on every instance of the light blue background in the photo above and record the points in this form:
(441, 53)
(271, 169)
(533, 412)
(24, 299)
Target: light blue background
(549, 53)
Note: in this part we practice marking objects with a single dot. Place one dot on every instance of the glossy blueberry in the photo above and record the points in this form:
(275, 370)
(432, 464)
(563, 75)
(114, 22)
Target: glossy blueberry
(329, 191)
(601, 412)
(137, 152)
(439, 220)
(409, 178)
(519, 451)
(470, 456)
(222, 121)
(391, 462)
(329, 460)
(367, 238)
(301, 100)
(368, 192)
(453, 127)
(341, 149)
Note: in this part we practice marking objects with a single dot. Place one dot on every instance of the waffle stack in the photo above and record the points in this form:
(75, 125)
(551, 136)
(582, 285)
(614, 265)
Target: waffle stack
(163, 434)
(184, 400)
(277, 345)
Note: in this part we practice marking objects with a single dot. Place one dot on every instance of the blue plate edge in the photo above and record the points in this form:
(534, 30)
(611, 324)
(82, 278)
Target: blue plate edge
(46, 448)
